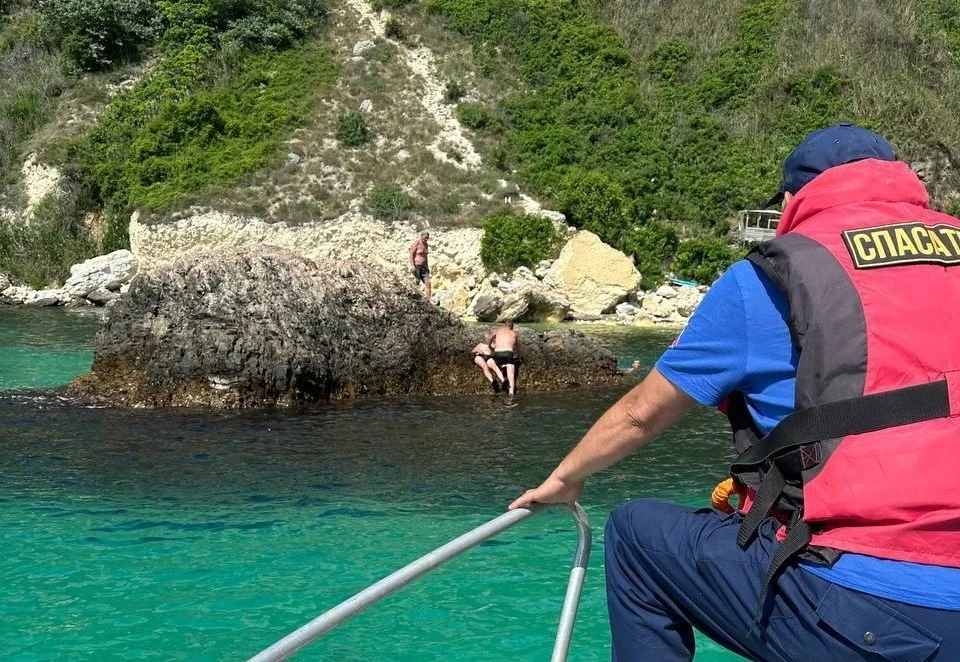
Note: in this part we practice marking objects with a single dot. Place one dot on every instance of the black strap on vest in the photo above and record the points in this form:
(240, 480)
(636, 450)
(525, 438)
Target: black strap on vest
(833, 420)
(865, 413)
(800, 535)
(767, 494)
(801, 433)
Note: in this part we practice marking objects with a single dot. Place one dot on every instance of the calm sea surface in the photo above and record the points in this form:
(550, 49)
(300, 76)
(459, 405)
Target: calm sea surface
(172, 535)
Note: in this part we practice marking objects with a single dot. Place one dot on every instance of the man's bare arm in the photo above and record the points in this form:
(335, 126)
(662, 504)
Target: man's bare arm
(413, 254)
(645, 411)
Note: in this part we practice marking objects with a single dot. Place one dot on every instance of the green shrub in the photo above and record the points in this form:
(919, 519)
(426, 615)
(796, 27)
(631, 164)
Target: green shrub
(388, 203)
(473, 115)
(454, 153)
(449, 204)
(116, 229)
(511, 241)
(703, 260)
(378, 5)
(268, 24)
(41, 253)
(23, 30)
(95, 34)
(393, 29)
(247, 25)
(593, 200)
(172, 136)
(352, 129)
(669, 62)
(453, 92)
(953, 207)
(498, 157)
(652, 246)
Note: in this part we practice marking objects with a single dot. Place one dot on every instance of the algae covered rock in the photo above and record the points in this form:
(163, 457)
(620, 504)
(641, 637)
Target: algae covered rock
(261, 326)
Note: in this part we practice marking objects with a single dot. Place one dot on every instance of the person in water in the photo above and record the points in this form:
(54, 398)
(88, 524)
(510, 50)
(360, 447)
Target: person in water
(838, 337)
(482, 356)
(506, 353)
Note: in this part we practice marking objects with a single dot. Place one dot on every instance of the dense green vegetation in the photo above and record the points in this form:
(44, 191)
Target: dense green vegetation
(41, 253)
(153, 149)
(511, 241)
(684, 120)
(212, 111)
(352, 129)
(98, 34)
(703, 260)
(613, 158)
(942, 19)
(388, 203)
(228, 85)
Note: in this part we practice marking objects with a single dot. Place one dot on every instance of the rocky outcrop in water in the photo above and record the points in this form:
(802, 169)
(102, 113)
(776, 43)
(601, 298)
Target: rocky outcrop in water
(261, 326)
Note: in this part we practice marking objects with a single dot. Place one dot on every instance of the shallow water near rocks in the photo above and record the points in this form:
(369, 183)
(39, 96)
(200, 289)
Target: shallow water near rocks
(173, 535)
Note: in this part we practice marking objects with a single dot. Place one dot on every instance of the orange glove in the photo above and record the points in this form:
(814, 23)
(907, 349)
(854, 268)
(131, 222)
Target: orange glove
(720, 499)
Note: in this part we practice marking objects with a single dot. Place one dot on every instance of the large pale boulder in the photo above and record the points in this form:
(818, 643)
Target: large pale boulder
(657, 306)
(521, 299)
(43, 298)
(455, 298)
(532, 302)
(104, 272)
(591, 275)
(687, 300)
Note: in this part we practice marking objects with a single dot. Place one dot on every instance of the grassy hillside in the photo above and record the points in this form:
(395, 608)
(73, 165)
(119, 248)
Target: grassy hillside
(649, 123)
(892, 66)
(679, 114)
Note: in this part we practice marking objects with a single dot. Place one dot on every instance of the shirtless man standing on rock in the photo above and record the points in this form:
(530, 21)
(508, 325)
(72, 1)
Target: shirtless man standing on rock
(418, 261)
(506, 352)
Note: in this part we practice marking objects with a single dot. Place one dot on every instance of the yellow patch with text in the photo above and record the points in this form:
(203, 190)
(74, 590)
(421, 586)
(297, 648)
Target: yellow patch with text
(903, 243)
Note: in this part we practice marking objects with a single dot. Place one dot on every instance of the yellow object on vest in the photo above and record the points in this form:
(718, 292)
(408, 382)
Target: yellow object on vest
(720, 499)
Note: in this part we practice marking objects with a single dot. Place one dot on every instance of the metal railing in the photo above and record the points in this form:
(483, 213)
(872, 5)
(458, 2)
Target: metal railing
(394, 582)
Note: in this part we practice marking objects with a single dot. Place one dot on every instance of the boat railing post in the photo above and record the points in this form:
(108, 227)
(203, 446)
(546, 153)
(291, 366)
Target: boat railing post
(571, 600)
(322, 624)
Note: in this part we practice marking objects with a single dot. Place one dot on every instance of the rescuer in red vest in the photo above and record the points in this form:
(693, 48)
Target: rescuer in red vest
(836, 347)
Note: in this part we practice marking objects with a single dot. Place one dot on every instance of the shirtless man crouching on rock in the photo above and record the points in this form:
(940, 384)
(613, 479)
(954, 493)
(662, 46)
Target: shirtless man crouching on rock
(506, 352)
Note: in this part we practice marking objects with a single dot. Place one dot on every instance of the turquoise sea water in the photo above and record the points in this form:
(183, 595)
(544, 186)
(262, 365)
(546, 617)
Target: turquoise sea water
(172, 535)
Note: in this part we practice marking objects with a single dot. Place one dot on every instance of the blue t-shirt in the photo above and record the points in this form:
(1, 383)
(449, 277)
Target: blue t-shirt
(738, 340)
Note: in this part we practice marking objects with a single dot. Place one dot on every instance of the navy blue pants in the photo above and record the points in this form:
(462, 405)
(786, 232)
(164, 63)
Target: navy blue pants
(671, 569)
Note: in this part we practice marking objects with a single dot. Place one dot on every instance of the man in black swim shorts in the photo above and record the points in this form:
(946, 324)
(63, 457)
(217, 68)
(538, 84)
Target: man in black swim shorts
(506, 348)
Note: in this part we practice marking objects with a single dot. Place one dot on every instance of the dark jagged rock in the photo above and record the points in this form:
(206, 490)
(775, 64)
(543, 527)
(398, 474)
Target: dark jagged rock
(260, 326)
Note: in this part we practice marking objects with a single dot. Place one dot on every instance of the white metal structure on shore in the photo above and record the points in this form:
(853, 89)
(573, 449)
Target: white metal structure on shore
(756, 225)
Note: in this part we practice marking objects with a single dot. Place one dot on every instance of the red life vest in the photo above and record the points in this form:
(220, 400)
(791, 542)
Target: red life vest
(869, 462)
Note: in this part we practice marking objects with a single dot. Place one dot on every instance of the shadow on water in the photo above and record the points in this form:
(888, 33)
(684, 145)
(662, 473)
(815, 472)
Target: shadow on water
(470, 451)
(459, 451)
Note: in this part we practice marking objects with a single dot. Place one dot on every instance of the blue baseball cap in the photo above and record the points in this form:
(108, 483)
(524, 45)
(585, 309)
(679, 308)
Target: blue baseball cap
(828, 147)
